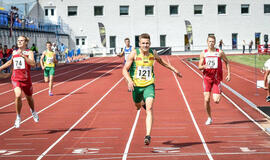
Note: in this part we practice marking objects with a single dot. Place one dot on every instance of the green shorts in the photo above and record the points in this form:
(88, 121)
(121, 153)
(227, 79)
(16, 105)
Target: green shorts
(141, 93)
(49, 71)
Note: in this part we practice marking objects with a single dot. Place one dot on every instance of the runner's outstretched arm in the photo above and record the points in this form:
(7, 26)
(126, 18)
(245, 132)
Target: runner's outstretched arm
(7, 64)
(224, 58)
(4, 75)
(165, 64)
(126, 68)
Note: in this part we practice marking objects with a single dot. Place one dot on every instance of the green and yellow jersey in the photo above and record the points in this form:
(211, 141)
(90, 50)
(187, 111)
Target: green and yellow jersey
(142, 69)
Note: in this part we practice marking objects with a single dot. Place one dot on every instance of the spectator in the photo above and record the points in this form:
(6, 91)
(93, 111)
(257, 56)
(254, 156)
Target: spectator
(14, 47)
(62, 49)
(35, 51)
(250, 46)
(6, 54)
(221, 44)
(244, 46)
(1, 53)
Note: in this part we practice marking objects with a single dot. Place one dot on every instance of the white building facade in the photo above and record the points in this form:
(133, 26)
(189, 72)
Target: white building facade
(230, 20)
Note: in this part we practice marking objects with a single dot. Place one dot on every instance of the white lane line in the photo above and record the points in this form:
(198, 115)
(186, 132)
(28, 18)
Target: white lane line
(251, 119)
(59, 100)
(131, 135)
(54, 76)
(58, 84)
(192, 117)
(75, 124)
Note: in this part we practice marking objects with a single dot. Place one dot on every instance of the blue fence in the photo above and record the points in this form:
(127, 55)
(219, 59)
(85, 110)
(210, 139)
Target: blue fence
(24, 24)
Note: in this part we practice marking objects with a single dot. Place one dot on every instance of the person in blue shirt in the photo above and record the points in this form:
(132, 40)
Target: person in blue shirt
(126, 50)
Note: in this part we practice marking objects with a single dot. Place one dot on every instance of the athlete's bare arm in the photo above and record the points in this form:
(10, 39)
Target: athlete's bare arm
(41, 60)
(129, 62)
(4, 75)
(265, 79)
(165, 64)
(7, 64)
(30, 59)
(201, 66)
(224, 58)
(54, 59)
(121, 54)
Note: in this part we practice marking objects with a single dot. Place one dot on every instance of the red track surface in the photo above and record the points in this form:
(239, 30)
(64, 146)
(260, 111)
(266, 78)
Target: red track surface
(92, 116)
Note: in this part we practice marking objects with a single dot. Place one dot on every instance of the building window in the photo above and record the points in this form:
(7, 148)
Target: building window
(173, 9)
(77, 41)
(267, 8)
(98, 10)
(83, 41)
(124, 10)
(72, 10)
(52, 12)
(244, 8)
(46, 12)
(137, 41)
(222, 9)
(112, 41)
(162, 40)
(198, 9)
(149, 10)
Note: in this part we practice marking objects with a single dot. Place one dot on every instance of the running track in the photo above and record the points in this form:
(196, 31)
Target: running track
(92, 116)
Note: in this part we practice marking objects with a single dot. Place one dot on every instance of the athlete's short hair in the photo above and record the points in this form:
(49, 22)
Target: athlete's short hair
(26, 39)
(49, 42)
(127, 39)
(211, 36)
(145, 35)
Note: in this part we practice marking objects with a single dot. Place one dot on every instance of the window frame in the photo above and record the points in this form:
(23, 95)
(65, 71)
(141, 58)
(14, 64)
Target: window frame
(225, 9)
(194, 7)
(145, 9)
(74, 13)
(99, 7)
(242, 7)
(174, 14)
(122, 6)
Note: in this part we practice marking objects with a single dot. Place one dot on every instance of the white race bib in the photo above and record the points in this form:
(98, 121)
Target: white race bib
(144, 73)
(18, 63)
(49, 60)
(211, 62)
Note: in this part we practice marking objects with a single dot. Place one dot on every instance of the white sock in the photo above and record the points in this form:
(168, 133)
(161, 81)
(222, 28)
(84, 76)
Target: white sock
(18, 116)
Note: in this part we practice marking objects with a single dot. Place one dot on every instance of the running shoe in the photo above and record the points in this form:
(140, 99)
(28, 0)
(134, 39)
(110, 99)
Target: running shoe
(17, 122)
(50, 94)
(268, 99)
(209, 121)
(35, 116)
(147, 140)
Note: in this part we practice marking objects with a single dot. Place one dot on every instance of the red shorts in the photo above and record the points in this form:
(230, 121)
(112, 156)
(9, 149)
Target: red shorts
(25, 86)
(211, 85)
